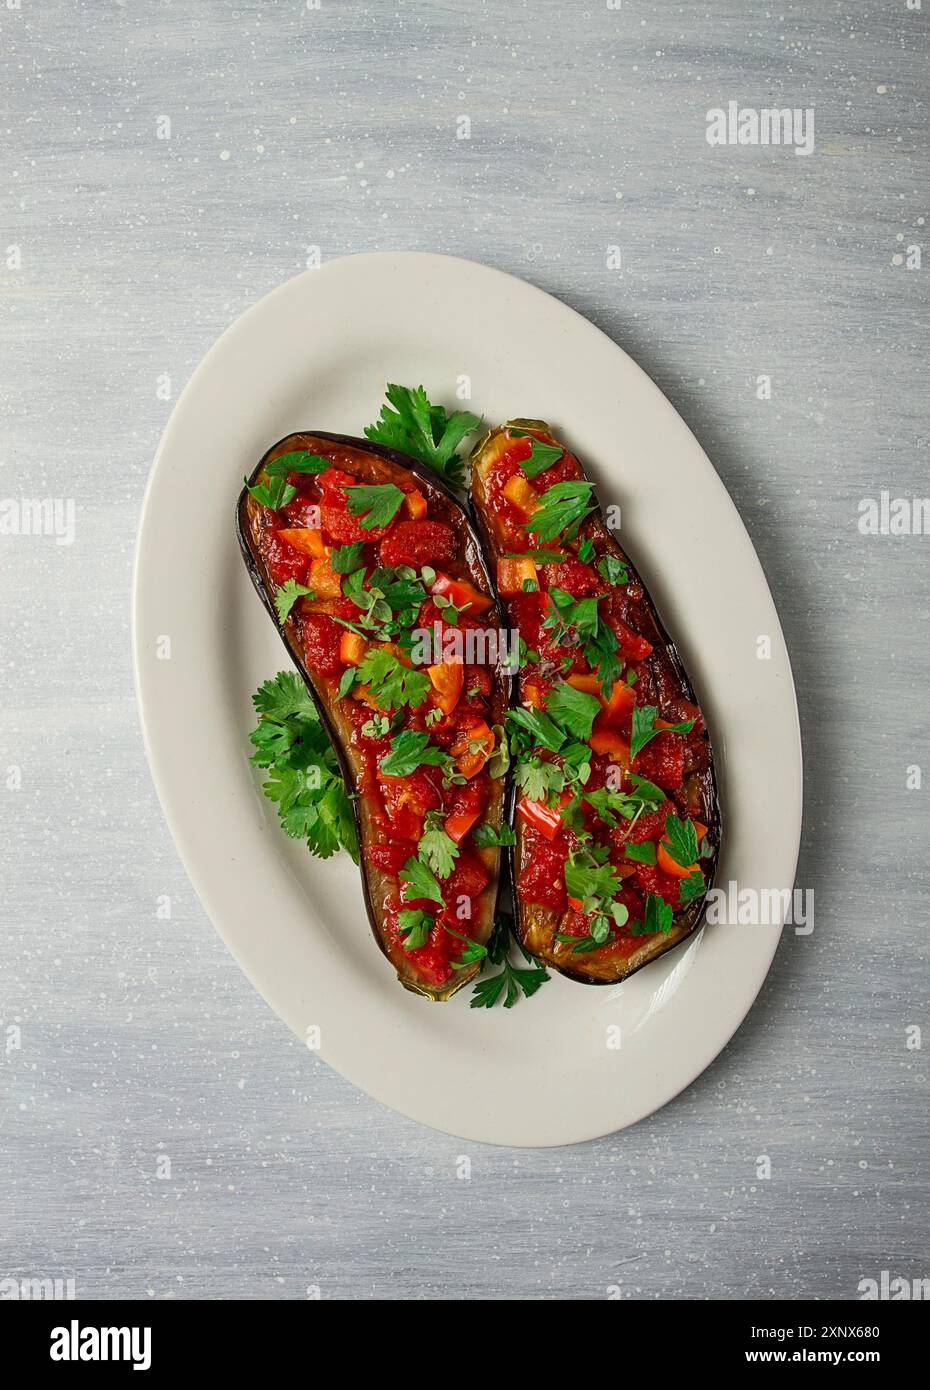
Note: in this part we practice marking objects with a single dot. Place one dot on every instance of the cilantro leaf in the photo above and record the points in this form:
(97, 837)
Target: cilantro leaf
(374, 504)
(562, 508)
(345, 559)
(288, 594)
(543, 456)
(681, 840)
(284, 696)
(415, 926)
(573, 709)
(425, 431)
(274, 494)
(297, 461)
(409, 750)
(420, 881)
(643, 728)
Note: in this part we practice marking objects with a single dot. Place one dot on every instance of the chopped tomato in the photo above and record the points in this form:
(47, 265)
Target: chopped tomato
(467, 807)
(419, 543)
(461, 593)
(542, 878)
(283, 562)
(632, 646)
(448, 679)
(651, 879)
(473, 746)
(663, 761)
(513, 574)
(306, 539)
(340, 527)
(416, 791)
(322, 639)
(546, 819)
(575, 578)
(477, 679)
(391, 858)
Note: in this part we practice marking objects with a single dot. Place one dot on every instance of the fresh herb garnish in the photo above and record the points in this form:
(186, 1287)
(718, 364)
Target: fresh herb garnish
(410, 750)
(377, 727)
(643, 728)
(613, 570)
(274, 494)
(642, 854)
(543, 456)
(345, 559)
(694, 886)
(288, 594)
(374, 504)
(303, 775)
(415, 926)
(346, 682)
(562, 508)
(420, 881)
(298, 461)
(681, 840)
(390, 682)
(658, 918)
(574, 709)
(437, 849)
(486, 837)
(512, 980)
(473, 949)
(586, 550)
(424, 430)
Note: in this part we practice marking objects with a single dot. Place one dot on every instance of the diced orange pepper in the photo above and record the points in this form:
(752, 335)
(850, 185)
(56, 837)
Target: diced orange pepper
(447, 677)
(323, 579)
(461, 592)
(415, 503)
(609, 742)
(307, 539)
(576, 903)
(512, 574)
(620, 705)
(590, 684)
(532, 696)
(518, 491)
(352, 648)
(469, 761)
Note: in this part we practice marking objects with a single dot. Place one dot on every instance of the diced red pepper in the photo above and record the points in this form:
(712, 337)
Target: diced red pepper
(546, 819)
(461, 593)
(283, 562)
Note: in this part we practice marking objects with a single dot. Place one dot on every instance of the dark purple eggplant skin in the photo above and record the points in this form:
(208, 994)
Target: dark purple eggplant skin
(687, 920)
(429, 481)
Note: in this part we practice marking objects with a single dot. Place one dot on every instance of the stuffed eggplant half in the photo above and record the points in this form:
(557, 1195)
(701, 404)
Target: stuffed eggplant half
(374, 576)
(617, 818)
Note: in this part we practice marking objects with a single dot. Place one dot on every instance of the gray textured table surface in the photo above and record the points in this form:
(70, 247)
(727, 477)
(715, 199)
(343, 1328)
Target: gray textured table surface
(125, 1039)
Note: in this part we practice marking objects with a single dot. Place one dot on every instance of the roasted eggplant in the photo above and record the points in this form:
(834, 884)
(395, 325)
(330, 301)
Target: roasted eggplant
(373, 574)
(617, 817)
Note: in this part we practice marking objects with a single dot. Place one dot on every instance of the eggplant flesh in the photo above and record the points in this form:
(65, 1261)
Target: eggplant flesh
(372, 463)
(663, 682)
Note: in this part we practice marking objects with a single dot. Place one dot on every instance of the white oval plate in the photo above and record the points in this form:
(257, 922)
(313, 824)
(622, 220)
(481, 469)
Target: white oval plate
(316, 354)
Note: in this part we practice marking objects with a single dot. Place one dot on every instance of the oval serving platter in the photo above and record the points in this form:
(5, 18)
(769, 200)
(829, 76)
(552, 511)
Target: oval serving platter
(316, 354)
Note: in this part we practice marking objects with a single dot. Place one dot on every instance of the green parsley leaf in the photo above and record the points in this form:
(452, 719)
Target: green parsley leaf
(543, 456)
(346, 682)
(681, 840)
(288, 594)
(562, 508)
(298, 461)
(586, 550)
(415, 926)
(374, 504)
(537, 779)
(613, 570)
(391, 682)
(694, 886)
(512, 979)
(473, 949)
(411, 749)
(658, 918)
(425, 431)
(274, 494)
(282, 698)
(573, 709)
(420, 881)
(642, 854)
(436, 848)
(539, 726)
(345, 559)
(540, 557)
(486, 837)
(644, 718)
(587, 880)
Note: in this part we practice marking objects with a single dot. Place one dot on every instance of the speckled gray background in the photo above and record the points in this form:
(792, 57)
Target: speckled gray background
(293, 127)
